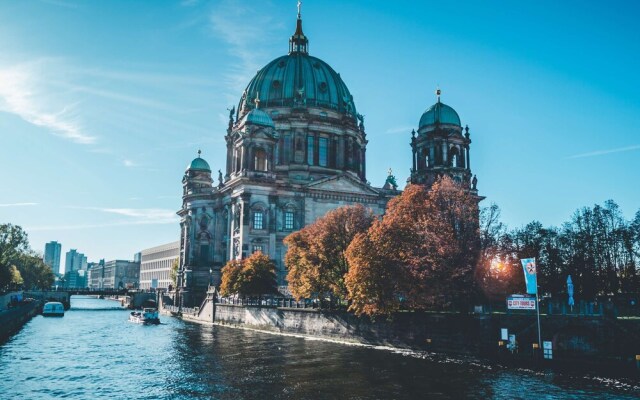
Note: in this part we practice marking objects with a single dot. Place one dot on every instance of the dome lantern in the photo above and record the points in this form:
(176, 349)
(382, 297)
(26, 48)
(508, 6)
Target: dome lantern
(298, 43)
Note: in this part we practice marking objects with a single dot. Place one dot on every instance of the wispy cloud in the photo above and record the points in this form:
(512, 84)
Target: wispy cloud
(147, 77)
(229, 22)
(603, 152)
(129, 163)
(399, 129)
(96, 226)
(18, 204)
(131, 216)
(157, 214)
(22, 93)
(143, 214)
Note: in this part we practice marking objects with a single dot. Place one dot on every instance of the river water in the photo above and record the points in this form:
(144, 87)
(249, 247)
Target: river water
(93, 352)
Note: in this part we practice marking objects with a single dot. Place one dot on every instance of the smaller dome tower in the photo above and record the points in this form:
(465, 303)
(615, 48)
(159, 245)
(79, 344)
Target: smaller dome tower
(441, 147)
(197, 177)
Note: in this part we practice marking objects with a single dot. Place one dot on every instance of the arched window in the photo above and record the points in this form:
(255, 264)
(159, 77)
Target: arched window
(260, 160)
(454, 154)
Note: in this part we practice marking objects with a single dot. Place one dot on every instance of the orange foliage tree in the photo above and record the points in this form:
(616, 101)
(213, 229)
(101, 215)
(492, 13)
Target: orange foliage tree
(316, 259)
(252, 276)
(421, 254)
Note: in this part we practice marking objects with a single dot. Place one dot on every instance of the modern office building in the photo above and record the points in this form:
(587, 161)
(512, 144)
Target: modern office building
(75, 261)
(52, 253)
(120, 274)
(155, 265)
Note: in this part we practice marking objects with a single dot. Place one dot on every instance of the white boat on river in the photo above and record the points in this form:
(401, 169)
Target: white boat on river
(147, 316)
(53, 309)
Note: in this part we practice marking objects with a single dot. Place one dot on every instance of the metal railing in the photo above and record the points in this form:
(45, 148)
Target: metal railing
(269, 302)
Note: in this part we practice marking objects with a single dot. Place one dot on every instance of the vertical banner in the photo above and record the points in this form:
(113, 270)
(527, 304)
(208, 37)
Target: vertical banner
(530, 278)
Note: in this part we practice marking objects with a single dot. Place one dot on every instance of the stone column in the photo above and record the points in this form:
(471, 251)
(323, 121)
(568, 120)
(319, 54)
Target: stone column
(445, 157)
(468, 162)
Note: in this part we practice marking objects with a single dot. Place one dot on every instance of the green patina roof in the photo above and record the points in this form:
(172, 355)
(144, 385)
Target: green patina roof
(259, 117)
(298, 79)
(439, 113)
(199, 164)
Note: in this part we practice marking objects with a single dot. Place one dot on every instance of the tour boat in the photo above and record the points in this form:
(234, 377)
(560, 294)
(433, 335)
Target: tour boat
(146, 316)
(53, 309)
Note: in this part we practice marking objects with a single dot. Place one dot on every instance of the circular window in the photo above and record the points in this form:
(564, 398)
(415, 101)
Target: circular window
(323, 86)
(276, 84)
(281, 64)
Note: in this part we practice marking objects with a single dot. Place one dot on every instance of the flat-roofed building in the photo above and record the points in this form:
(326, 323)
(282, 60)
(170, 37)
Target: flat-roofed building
(155, 265)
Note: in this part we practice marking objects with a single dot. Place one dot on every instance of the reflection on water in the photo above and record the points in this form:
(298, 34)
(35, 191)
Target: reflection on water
(94, 352)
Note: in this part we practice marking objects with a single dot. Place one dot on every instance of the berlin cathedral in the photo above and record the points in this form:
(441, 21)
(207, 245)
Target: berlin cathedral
(296, 149)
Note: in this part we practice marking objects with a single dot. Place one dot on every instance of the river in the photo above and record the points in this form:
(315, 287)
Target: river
(93, 352)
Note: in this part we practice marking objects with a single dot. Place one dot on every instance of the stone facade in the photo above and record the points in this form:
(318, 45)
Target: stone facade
(296, 149)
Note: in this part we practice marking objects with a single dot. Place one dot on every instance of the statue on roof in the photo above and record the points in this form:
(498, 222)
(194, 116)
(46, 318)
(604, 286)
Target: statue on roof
(360, 118)
(391, 183)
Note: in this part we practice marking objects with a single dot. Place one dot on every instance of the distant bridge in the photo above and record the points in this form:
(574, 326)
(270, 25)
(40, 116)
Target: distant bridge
(94, 292)
(134, 297)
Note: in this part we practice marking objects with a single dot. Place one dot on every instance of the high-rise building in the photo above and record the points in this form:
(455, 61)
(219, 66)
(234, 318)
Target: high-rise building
(68, 261)
(75, 261)
(52, 255)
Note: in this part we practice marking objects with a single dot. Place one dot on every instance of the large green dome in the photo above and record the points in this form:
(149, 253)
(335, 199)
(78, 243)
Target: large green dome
(298, 80)
(439, 113)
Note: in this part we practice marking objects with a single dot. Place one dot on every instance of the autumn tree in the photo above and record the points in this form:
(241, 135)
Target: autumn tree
(316, 256)
(425, 247)
(252, 276)
(230, 278)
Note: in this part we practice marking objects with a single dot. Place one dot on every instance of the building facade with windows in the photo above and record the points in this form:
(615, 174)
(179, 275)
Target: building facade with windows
(155, 265)
(296, 149)
(115, 274)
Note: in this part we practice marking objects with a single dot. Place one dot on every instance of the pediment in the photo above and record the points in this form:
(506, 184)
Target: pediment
(343, 184)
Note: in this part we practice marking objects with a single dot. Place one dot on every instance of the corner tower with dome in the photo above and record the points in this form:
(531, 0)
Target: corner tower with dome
(441, 147)
(296, 149)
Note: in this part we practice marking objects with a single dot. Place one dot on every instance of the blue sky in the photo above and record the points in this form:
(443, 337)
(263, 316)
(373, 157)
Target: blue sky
(103, 104)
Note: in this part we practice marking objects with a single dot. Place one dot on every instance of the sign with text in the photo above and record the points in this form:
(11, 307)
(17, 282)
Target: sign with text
(521, 303)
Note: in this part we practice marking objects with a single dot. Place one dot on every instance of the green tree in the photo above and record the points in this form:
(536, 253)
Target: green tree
(173, 272)
(35, 273)
(13, 243)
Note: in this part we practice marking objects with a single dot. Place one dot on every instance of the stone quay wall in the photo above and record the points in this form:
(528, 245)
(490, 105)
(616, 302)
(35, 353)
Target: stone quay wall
(597, 339)
(11, 320)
